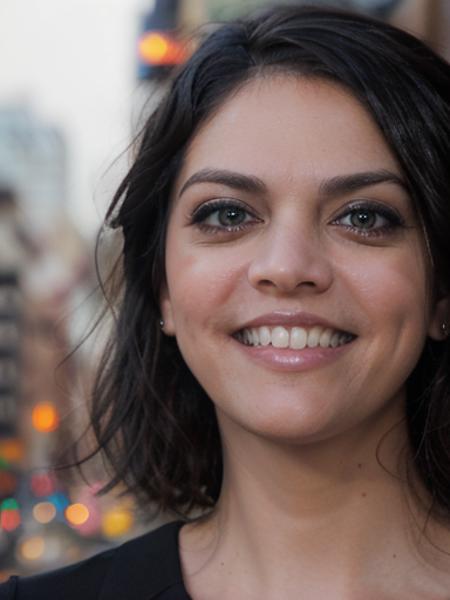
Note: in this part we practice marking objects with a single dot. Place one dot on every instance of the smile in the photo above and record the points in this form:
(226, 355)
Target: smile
(295, 338)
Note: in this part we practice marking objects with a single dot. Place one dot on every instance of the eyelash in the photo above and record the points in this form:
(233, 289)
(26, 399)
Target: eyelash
(200, 215)
(393, 220)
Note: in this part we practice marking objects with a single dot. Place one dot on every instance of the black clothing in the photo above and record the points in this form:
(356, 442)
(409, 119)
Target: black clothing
(146, 568)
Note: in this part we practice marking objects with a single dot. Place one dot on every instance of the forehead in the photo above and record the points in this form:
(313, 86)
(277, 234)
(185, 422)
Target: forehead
(289, 127)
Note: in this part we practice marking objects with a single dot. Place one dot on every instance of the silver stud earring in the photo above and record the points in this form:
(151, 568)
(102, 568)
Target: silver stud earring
(161, 323)
(444, 329)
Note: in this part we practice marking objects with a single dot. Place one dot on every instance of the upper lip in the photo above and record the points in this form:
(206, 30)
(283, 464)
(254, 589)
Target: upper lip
(291, 319)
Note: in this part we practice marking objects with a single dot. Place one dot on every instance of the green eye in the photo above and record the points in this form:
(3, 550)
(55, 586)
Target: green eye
(223, 215)
(364, 219)
(369, 219)
(229, 216)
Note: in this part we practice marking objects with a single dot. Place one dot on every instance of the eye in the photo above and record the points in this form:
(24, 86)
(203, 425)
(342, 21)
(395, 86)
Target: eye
(223, 215)
(369, 219)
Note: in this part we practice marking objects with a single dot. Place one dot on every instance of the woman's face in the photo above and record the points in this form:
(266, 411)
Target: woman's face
(296, 271)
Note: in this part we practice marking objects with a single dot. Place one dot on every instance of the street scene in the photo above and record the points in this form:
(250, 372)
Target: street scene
(78, 80)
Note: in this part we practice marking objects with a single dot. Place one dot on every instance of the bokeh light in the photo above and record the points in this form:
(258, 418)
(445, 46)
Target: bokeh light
(32, 548)
(8, 479)
(77, 514)
(60, 500)
(42, 484)
(44, 512)
(116, 522)
(45, 417)
(11, 449)
(161, 49)
(9, 514)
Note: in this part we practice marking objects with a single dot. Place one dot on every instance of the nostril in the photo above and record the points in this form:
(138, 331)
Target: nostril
(266, 282)
(285, 285)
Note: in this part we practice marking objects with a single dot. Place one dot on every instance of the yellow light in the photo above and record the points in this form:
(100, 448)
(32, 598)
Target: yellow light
(77, 514)
(153, 47)
(116, 522)
(32, 548)
(160, 49)
(44, 512)
(44, 417)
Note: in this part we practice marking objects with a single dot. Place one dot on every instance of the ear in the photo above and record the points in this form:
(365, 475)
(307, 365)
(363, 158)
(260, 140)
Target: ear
(439, 327)
(165, 305)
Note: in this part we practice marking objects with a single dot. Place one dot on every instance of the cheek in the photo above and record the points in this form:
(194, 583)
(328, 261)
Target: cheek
(391, 298)
(200, 281)
(389, 285)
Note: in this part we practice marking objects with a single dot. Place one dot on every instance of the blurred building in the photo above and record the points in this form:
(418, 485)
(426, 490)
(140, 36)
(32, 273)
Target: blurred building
(46, 304)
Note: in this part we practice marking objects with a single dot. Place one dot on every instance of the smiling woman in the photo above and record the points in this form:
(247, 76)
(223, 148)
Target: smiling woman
(280, 360)
(300, 259)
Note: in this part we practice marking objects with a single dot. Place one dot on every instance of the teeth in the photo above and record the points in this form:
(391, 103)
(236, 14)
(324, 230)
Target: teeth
(335, 338)
(299, 337)
(325, 338)
(255, 336)
(280, 337)
(314, 337)
(264, 336)
(296, 338)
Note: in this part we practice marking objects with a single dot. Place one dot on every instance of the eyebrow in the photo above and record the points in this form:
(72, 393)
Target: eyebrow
(334, 186)
(342, 184)
(232, 179)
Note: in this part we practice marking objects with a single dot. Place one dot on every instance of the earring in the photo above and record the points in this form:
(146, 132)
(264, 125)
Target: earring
(161, 323)
(444, 329)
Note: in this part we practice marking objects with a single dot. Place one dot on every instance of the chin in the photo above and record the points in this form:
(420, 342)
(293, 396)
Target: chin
(285, 423)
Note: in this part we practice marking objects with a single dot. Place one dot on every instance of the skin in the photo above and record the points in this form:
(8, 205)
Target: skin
(305, 505)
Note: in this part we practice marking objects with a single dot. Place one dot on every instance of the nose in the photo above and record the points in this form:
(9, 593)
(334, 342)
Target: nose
(288, 258)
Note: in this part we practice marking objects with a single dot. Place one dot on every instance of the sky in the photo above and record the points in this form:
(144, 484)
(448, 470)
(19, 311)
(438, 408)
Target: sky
(72, 63)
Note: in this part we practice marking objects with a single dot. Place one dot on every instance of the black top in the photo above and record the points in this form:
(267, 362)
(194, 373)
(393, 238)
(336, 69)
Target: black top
(146, 568)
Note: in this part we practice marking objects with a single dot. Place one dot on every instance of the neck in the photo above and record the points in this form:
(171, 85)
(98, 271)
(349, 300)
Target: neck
(331, 513)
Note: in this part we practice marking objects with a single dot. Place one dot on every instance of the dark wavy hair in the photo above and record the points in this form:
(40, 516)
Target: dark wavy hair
(153, 422)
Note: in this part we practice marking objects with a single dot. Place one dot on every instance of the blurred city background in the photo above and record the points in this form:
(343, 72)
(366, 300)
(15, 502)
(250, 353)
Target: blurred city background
(76, 79)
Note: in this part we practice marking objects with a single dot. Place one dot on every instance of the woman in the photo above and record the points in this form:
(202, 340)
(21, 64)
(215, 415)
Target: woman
(280, 356)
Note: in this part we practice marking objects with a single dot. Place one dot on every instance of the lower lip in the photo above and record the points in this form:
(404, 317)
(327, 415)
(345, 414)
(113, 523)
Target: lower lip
(287, 359)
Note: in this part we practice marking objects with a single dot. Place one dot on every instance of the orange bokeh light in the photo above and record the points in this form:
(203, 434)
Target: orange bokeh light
(32, 548)
(77, 514)
(160, 49)
(11, 449)
(45, 417)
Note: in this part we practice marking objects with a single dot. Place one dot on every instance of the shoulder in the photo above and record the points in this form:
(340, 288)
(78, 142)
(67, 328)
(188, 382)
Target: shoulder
(87, 576)
(139, 568)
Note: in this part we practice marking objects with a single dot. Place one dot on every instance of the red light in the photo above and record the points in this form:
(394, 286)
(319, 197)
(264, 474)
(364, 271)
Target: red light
(8, 483)
(9, 519)
(42, 484)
